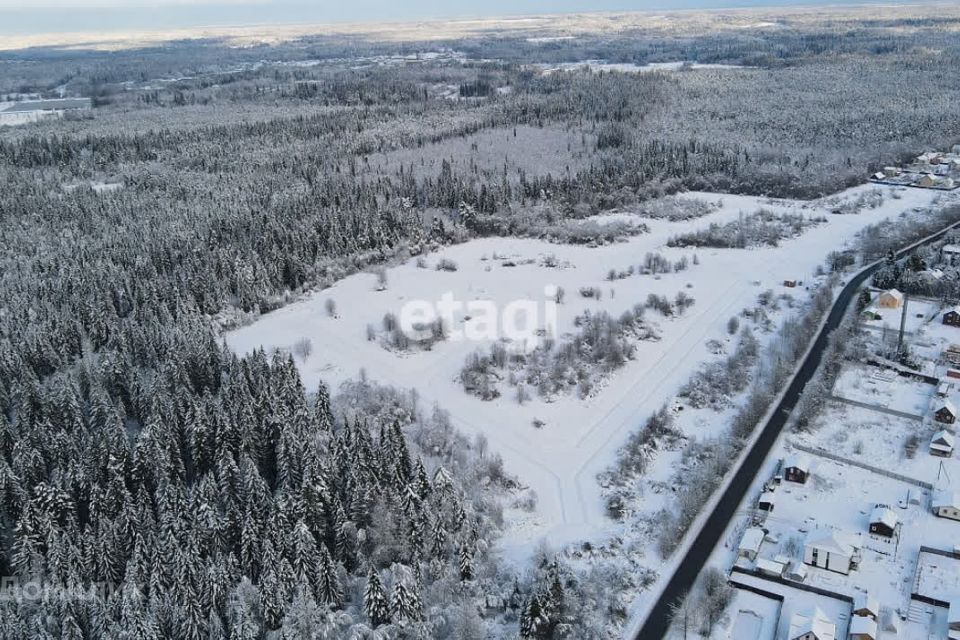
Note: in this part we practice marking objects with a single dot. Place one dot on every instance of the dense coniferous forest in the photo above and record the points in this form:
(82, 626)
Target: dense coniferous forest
(157, 485)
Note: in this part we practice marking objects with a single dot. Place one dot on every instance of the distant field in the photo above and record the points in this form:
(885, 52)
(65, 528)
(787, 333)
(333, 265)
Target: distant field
(506, 151)
(49, 105)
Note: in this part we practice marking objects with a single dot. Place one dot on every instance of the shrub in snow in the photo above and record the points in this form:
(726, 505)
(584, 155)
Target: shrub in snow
(763, 227)
(302, 348)
(446, 264)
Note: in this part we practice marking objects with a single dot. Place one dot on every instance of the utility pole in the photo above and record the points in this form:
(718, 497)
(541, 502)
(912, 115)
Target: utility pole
(903, 325)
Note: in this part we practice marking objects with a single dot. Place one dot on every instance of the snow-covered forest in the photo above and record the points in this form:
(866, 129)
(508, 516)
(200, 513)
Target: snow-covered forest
(159, 485)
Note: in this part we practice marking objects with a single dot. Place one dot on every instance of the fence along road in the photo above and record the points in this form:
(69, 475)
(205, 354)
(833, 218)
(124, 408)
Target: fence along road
(699, 550)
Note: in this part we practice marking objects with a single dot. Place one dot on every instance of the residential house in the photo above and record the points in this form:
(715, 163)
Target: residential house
(811, 624)
(944, 411)
(891, 299)
(866, 605)
(827, 549)
(926, 180)
(951, 253)
(944, 388)
(946, 504)
(797, 469)
(891, 172)
(750, 543)
(953, 619)
(883, 521)
(952, 353)
(952, 317)
(863, 628)
(941, 445)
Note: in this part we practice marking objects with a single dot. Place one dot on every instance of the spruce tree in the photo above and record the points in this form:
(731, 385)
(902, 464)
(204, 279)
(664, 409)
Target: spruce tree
(375, 603)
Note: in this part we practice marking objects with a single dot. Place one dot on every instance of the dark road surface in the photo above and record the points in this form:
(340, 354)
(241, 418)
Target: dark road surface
(657, 622)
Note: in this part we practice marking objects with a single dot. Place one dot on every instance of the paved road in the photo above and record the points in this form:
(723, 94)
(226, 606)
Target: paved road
(656, 625)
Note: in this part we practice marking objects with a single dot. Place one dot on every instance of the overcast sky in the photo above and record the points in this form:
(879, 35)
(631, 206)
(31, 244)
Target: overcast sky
(23, 17)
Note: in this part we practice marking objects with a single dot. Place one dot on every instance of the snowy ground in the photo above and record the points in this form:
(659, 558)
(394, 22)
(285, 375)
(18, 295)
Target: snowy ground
(560, 462)
(877, 439)
(884, 389)
(919, 312)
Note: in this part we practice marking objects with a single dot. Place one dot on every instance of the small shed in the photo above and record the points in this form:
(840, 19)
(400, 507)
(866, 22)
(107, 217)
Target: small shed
(797, 469)
(750, 543)
(770, 567)
(944, 388)
(942, 444)
(944, 411)
(946, 504)
(883, 521)
(796, 571)
(767, 501)
(890, 299)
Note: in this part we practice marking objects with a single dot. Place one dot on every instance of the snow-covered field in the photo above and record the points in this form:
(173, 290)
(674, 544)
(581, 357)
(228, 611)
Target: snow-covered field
(884, 389)
(629, 67)
(560, 461)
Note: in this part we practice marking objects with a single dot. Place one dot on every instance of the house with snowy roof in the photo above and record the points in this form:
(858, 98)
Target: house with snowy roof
(811, 624)
(767, 501)
(952, 317)
(953, 619)
(942, 444)
(797, 469)
(946, 504)
(890, 299)
(951, 253)
(863, 628)
(750, 543)
(866, 605)
(828, 549)
(883, 521)
(943, 411)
